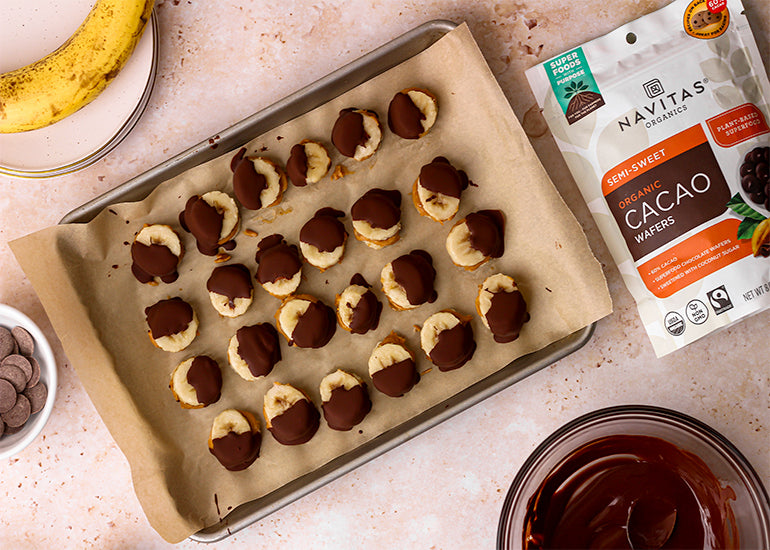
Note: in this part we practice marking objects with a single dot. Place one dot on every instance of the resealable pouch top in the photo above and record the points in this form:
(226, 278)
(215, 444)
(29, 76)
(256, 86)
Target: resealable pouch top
(663, 123)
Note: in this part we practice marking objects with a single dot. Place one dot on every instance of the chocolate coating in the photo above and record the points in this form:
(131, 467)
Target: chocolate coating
(204, 222)
(155, 260)
(276, 259)
(206, 377)
(366, 313)
(296, 166)
(232, 281)
(346, 408)
(348, 132)
(237, 451)
(454, 348)
(397, 379)
(404, 117)
(297, 424)
(168, 317)
(315, 327)
(324, 230)
(507, 315)
(258, 346)
(634, 487)
(247, 182)
(439, 176)
(380, 208)
(415, 273)
(487, 229)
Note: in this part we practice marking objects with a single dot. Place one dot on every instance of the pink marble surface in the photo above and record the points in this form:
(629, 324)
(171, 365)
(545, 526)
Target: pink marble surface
(220, 62)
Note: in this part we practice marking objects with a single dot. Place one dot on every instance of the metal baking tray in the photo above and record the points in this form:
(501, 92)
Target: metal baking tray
(300, 102)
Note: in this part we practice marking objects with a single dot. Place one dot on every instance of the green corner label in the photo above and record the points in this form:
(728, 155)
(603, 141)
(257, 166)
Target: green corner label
(573, 84)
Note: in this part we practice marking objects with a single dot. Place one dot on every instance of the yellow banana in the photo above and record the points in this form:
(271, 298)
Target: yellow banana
(69, 78)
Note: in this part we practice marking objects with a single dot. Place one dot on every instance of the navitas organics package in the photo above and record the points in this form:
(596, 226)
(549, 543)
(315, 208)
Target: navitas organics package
(664, 125)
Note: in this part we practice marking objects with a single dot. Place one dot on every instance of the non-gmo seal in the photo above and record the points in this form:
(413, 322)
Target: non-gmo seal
(697, 312)
(674, 323)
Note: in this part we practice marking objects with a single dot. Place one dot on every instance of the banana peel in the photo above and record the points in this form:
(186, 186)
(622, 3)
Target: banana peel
(64, 81)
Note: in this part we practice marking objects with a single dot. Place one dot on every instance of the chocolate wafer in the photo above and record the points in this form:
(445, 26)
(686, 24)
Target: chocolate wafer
(37, 395)
(19, 361)
(14, 375)
(24, 339)
(7, 396)
(18, 414)
(7, 343)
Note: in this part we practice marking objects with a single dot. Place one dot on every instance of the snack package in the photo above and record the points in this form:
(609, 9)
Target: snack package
(664, 125)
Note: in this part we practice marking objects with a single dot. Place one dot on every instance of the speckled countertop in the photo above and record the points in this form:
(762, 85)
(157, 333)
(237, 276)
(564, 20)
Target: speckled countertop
(71, 488)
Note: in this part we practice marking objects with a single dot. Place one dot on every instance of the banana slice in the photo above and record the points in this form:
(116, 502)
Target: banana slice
(476, 239)
(196, 382)
(308, 162)
(412, 113)
(356, 133)
(305, 321)
(345, 401)
(254, 350)
(155, 254)
(258, 182)
(501, 307)
(447, 339)
(408, 281)
(235, 439)
(322, 239)
(437, 190)
(280, 267)
(392, 366)
(377, 217)
(358, 309)
(173, 324)
(290, 415)
(212, 218)
(230, 289)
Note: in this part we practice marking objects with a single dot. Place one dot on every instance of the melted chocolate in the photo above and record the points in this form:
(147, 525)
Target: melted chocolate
(237, 451)
(441, 177)
(258, 346)
(296, 166)
(487, 229)
(204, 222)
(380, 208)
(324, 230)
(247, 182)
(276, 259)
(404, 117)
(297, 424)
(315, 327)
(168, 317)
(366, 314)
(415, 273)
(396, 379)
(232, 281)
(346, 408)
(206, 377)
(633, 487)
(454, 348)
(348, 132)
(155, 260)
(507, 315)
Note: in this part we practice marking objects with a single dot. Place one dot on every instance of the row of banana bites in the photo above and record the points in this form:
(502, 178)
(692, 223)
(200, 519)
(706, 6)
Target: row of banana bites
(305, 321)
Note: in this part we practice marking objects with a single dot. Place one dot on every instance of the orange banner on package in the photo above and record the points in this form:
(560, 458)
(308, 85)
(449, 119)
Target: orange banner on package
(737, 125)
(695, 258)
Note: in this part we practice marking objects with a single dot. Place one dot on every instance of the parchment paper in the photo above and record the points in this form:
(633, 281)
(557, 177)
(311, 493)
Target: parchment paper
(82, 275)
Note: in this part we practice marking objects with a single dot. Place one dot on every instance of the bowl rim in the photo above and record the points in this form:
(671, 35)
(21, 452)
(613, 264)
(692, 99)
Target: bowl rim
(649, 412)
(48, 364)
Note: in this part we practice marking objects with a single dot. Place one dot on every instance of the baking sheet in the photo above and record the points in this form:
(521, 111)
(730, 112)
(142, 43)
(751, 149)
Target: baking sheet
(81, 273)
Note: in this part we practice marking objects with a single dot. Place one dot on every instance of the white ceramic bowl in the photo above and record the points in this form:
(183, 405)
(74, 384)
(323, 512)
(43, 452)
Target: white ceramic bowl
(12, 444)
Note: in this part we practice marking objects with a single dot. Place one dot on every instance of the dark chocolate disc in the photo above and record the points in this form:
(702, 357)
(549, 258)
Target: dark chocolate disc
(205, 376)
(14, 375)
(346, 408)
(37, 395)
(24, 339)
(415, 273)
(168, 317)
(17, 415)
(397, 379)
(258, 346)
(236, 451)
(454, 348)
(7, 343)
(404, 117)
(297, 424)
(348, 132)
(276, 259)
(7, 395)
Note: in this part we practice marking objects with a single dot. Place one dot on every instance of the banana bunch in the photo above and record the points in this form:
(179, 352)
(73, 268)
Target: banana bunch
(62, 82)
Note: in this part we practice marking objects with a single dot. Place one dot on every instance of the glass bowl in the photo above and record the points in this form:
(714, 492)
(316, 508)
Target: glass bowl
(751, 507)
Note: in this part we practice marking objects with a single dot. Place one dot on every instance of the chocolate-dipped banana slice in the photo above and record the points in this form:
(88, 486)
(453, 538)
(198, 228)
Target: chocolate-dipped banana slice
(477, 238)
(235, 439)
(213, 219)
(408, 280)
(501, 307)
(196, 382)
(412, 113)
(305, 321)
(258, 182)
(344, 400)
(308, 162)
(377, 217)
(356, 133)
(446, 338)
(230, 289)
(322, 239)
(290, 415)
(155, 254)
(392, 366)
(254, 350)
(358, 309)
(173, 324)
(280, 267)
(436, 192)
